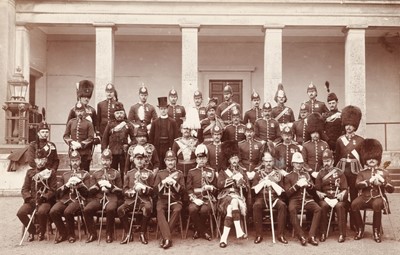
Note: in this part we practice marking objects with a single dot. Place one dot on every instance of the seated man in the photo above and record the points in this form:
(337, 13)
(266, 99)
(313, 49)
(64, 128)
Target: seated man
(331, 186)
(233, 184)
(268, 185)
(372, 184)
(37, 192)
(201, 187)
(298, 186)
(169, 186)
(72, 191)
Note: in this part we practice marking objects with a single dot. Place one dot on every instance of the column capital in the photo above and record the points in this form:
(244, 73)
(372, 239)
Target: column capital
(346, 29)
(105, 24)
(272, 26)
(183, 26)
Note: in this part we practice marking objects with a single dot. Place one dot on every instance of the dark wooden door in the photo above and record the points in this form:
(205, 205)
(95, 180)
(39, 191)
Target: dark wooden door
(217, 89)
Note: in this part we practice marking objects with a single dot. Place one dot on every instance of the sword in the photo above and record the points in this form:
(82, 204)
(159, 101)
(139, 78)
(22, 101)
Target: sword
(102, 214)
(271, 214)
(133, 216)
(337, 181)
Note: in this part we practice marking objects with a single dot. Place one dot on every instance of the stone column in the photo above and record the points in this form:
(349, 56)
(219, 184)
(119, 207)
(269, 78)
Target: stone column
(22, 51)
(272, 60)
(189, 63)
(7, 49)
(355, 81)
(104, 59)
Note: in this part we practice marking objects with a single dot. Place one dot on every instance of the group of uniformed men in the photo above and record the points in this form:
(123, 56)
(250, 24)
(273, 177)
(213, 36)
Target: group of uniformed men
(207, 161)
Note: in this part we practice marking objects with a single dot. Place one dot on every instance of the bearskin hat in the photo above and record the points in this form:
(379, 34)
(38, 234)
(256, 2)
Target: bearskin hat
(280, 92)
(84, 89)
(315, 123)
(351, 115)
(370, 149)
(229, 148)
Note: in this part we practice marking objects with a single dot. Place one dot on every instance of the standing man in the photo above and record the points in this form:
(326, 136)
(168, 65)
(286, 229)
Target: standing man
(142, 113)
(215, 154)
(298, 185)
(42, 143)
(347, 155)
(163, 131)
(372, 183)
(266, 128)
(115, 138)
(79, 134)
(201, 187)
(312, 150)
(224, 110)
(235, 130)
(175, 111)
(299, 126)
(84, 91)
(269, 180)
(198, 100)
(333, 121)
(138, 189)
(169, 186)
(284, 151)
(250, 152)
(207, 124)
(37, 191)
(72, 192)
(105, 191)
(106, 108)
(331, 186)
(281, 113)
(255, 112)
(313, 104)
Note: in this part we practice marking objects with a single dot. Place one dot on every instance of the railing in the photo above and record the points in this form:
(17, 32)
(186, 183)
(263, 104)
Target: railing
(387, 132)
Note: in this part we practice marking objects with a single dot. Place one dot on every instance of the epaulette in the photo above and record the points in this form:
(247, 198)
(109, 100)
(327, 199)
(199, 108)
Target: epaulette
(194, 169)
(131, 170)
(280, 143)
(177, 139)
(258, 119)
(257, 140)
(307, 142)
(228, 125)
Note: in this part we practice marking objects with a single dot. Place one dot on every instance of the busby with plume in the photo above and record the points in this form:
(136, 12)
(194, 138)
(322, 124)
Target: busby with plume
(315, 123)
(280, 92)
(84, 88)
(351, 115)
(229, 149)
(370, 149)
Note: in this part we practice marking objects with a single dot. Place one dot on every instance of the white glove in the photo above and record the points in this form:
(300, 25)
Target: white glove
(139, 187)
(208, 187)
(379, 178)
(302, 182)
(105, 183)
(130, 193)
(267, 183)
(104, 189)
(198, 202)
(237, 177)
(73, 181)
(314, 174)
(169, 181)
(372, 179)
(251, 175)
(75, 145)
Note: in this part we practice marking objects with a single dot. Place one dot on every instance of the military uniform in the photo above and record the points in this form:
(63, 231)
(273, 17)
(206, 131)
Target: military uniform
(299, 131)
(144, 200)
(82, 131)
(202, 110)
(197, 178)
(146, 110)
(316, 106)
(333, 127)
(152, 160)
(250, 153)
(224, 111)
(111, 197)
(284, 153)
(69, 202)
(282, 114)
(176, 192)
(215, 156)
(105, 114)
(206, 127)
(52, 159)
(184, 150)
(312, 153)
(178, 113)
(90, 115)
(332, 184)
(115, 138)
(234, 132)
(252, 115)
(267, 130)
(38, 192)
(262, 199)
(295, 195)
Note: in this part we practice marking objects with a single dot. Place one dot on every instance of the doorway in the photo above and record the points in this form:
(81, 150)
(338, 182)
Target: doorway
(216, 89)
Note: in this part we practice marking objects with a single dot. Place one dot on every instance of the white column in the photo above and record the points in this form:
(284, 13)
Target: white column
(272, 60)
(355, 81)
(104, 59)
(22, 51)
(189, 63)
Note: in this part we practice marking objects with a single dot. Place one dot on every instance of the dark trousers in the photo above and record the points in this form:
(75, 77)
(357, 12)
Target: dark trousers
(68, 210)
(361, 203)
(41, 215)
(340, 209)
(118, 163)
(85, 162)
(310, 206)
(110, 211)
(165, 226)
(258, 206)
(145, 207)
(198, 215)
(162, 150)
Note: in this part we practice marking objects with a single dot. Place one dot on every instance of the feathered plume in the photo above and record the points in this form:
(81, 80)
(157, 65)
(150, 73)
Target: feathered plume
(192, 119)
(327, 86)
(43, 114)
